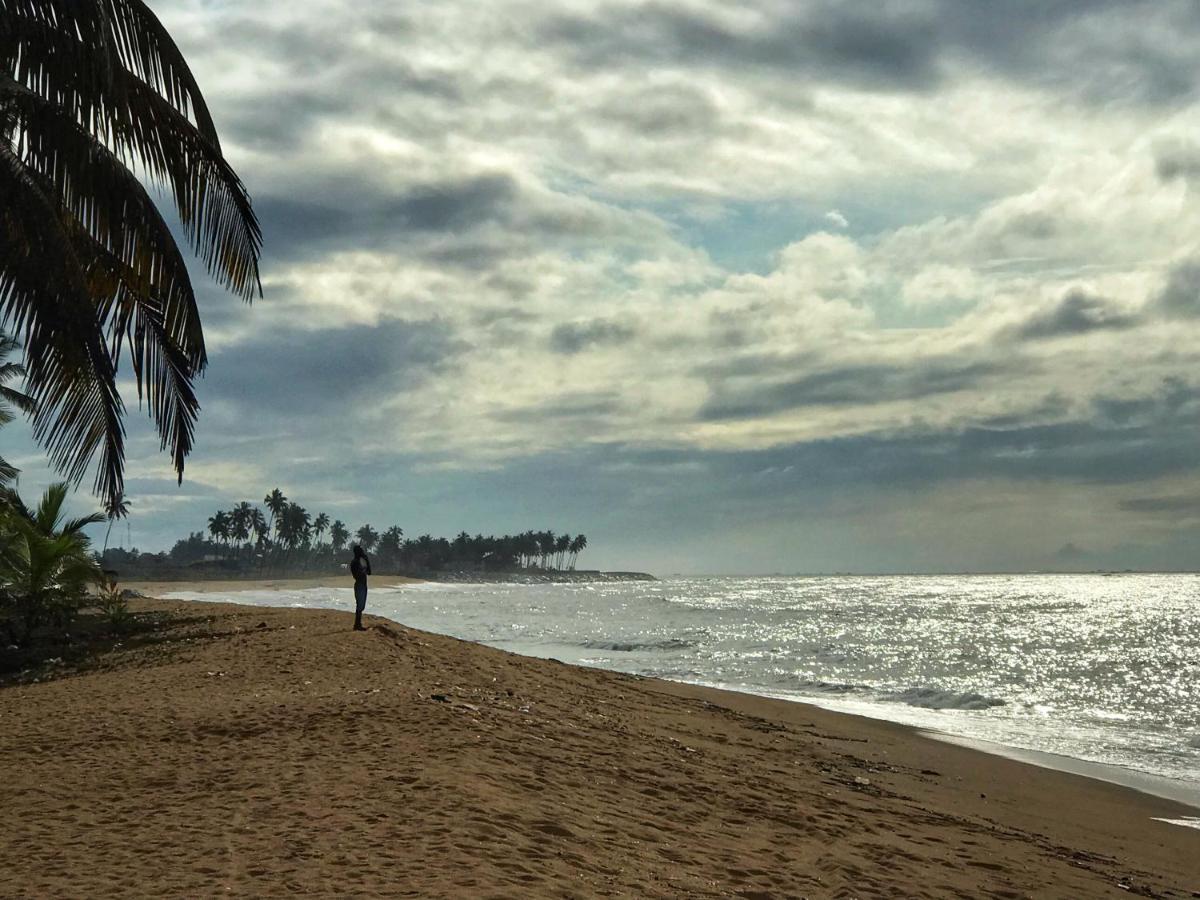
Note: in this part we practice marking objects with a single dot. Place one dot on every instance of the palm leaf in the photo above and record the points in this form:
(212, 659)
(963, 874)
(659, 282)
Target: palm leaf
(44, 298)
(94, 94)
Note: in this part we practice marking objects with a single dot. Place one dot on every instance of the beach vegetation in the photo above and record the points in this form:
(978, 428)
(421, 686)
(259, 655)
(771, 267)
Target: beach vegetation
(96, 98)
(46, 563)
(292, 541)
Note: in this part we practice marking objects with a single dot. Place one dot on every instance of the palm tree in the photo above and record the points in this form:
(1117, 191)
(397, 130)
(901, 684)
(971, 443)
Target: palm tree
(241, 520)
(276, 503)
(577, 547)
(367, 537)
(338, 535)
(45, 564)
(294, 527)
(562, 544)
(10, 398)
(114, 508)
(319, 526)
(91, 91)
(218, 526)
(390, 543)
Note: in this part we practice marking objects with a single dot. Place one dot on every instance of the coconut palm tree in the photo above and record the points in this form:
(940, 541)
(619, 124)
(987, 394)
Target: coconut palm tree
(276, 503)
(338, 535)
(218, 526)
(45, 562)
(114, 508)
(92, 91)
(578, 544)
(11, 400)
(367, 537)
(319, 526)
(241, 522)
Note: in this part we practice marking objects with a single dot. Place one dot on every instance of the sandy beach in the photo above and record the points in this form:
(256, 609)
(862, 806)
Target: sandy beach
(248, 751)
(158, 588)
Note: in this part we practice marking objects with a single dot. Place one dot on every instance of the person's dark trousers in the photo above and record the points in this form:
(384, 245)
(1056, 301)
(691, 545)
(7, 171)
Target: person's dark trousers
(360, 603)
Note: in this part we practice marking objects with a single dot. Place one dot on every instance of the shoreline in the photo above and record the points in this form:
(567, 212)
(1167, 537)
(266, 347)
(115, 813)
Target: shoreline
(1150, 783)
(272, 750)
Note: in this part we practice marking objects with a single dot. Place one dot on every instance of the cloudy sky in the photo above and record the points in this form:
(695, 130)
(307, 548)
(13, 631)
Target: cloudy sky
(771, 286)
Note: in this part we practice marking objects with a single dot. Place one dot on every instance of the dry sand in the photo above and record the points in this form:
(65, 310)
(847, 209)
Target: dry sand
(249, 751)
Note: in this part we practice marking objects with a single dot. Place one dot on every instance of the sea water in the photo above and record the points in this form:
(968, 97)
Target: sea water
(1098, 668)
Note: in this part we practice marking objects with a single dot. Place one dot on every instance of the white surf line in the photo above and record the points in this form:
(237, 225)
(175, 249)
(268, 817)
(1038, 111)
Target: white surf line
(1188, 822)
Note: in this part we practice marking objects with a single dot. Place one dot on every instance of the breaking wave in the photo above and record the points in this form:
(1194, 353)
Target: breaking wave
(639, 646)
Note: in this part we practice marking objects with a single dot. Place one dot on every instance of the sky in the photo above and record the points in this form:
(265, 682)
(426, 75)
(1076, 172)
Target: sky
(776, 286)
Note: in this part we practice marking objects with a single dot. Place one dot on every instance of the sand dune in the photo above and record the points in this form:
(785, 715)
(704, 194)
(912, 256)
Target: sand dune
(262, 752)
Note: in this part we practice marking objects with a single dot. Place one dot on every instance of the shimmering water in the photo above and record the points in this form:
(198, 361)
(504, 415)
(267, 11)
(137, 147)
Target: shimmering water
(1105, 669)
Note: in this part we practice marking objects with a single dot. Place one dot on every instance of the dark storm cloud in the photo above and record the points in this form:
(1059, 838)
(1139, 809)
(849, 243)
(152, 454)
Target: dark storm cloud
(1177, 159)
(1078, 312)
(306, 374)
(350, 212)
(1180, 297)
(846, 386)
(873, 46)
(575, 337)
(1084, 47)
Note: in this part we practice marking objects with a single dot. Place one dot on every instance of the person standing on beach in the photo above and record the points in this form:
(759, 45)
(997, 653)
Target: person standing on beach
(360, 568)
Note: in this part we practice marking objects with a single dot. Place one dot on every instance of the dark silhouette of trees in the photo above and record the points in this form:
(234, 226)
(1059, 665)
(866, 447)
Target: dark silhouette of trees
(90, 94)
(338, 535)
(367, 537)
(291, 542)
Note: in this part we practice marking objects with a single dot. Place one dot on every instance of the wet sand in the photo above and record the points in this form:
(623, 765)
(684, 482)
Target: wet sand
(249, 751)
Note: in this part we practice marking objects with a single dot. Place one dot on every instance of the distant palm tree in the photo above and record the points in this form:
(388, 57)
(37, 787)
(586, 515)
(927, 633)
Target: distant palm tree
(91, 92)
(578, 544)
(11, 400)
(319, 526)
(390, 543)
(562, 544)
(367, 537)
(114, 508)
(338, 534)
(276, 503)
(218, 526)
(241, 522)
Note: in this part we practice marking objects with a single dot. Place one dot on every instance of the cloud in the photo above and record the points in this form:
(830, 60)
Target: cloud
(1106, 49)
(303, 377)
(1177, 159)
(1170, 507)
(1077, 313)
(836, 219)
(1180, 296)
(575, 337)
(850, 386)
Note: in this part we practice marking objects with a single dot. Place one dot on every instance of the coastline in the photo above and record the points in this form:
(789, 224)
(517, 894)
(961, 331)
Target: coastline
(267, 750)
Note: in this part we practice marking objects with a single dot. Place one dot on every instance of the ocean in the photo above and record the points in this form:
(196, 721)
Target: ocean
(1102, 669)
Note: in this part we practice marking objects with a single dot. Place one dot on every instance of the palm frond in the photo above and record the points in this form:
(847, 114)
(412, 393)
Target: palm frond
(44, 299)
(108, 202)
(147, 120)
(94, 94)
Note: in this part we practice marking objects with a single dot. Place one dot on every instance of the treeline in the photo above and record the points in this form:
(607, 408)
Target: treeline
(282, 537)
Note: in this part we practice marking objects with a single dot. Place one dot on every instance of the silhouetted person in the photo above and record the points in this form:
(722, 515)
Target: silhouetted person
(360, 568)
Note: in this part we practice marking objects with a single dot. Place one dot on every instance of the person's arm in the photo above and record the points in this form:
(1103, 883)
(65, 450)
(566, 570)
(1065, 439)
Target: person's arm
(367, 563)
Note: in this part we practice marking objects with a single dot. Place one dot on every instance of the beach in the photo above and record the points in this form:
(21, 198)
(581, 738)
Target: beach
(250, 751)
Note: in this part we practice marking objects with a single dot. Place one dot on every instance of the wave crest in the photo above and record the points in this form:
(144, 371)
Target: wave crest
(937, 698)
